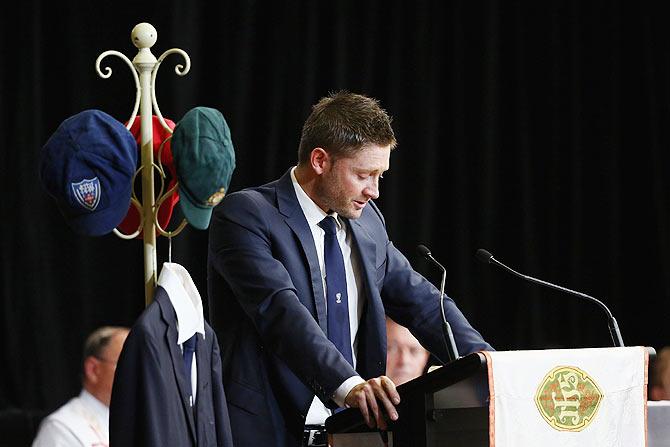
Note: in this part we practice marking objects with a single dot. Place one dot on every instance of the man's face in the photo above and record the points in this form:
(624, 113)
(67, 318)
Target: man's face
(405, 357)
(106, 366)
(346, 184)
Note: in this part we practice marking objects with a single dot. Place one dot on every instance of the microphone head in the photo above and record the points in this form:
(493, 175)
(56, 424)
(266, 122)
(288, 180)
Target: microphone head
(423, 251)
(484, 256)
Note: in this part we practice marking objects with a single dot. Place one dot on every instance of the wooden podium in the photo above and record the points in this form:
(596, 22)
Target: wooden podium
(448, 406)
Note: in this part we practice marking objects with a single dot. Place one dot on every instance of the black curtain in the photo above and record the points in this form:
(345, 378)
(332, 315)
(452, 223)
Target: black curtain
(536, 130)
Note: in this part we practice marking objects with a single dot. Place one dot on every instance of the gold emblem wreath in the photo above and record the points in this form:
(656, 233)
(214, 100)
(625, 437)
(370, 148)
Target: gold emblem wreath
(568, 398)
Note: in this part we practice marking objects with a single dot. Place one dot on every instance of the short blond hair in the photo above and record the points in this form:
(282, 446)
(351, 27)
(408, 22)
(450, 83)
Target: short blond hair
(342, 123)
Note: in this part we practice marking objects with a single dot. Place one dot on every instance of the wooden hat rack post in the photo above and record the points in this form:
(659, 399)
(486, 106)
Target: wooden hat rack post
(144, 68)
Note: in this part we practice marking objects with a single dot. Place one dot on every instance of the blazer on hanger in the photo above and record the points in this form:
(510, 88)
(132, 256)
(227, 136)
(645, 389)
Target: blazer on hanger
(150, 398)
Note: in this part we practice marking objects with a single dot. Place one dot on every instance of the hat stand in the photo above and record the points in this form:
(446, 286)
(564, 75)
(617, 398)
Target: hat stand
(144, 68)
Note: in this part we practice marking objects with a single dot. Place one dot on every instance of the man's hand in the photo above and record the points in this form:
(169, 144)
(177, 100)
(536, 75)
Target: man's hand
(367, 395)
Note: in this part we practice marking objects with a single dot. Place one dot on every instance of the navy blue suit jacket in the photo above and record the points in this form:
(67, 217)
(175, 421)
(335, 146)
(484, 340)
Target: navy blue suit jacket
(149, 404)
(267, 305)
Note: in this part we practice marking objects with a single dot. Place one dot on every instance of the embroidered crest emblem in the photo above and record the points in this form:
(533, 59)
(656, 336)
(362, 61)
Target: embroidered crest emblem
(568, 398)
(87, 193)
(338, 297)
(215, 198)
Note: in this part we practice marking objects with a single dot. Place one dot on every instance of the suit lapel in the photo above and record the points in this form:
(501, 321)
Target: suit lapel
(170, 319)
(204, 374)
(367, 251)
(372, 330)
(288, 205)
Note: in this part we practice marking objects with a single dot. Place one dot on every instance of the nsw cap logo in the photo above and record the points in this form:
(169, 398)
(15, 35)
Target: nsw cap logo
(87, 193)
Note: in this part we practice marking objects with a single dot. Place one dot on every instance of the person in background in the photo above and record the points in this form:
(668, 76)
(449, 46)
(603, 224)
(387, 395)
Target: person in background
(659, 376)
(84, 420)
(405, 357)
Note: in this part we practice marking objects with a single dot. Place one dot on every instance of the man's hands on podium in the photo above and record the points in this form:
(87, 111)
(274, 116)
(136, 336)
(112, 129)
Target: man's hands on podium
(368, 395)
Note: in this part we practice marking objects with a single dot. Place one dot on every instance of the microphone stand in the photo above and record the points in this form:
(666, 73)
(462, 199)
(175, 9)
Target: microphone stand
(612, 324)
(447, 333)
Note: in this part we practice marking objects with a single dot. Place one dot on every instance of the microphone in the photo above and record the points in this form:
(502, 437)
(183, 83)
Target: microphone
(448, 335)
(487, 258)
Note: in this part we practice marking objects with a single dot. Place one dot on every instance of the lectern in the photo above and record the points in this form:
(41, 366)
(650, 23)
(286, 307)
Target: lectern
(448, 406)
(559, 394)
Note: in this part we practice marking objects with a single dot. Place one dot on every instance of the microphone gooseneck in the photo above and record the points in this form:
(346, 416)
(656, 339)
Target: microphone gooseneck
(487, 258)
(447, 333)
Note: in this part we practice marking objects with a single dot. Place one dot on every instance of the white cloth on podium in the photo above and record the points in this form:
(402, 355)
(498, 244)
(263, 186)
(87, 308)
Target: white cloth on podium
(568, 397)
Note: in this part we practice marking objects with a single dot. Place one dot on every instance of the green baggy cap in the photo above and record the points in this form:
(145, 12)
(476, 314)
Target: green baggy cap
(204, 159)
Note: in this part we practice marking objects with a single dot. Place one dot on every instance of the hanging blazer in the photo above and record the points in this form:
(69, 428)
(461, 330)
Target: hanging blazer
(149, 405)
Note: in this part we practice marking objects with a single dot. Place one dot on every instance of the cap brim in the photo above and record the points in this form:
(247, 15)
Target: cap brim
(196, 215)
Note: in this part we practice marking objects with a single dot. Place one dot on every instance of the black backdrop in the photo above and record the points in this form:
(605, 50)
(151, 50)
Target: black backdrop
(537, 130)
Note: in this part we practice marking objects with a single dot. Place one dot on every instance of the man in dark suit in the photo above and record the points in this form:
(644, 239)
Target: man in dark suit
(271, 290)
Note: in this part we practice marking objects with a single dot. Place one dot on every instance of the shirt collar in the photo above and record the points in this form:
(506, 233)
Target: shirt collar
(313, 213)
(185, 299)
(93, 404)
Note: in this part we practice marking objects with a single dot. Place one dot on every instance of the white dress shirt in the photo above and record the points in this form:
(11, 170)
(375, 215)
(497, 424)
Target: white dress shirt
(187, 304)
(82, 422)
(318, 412)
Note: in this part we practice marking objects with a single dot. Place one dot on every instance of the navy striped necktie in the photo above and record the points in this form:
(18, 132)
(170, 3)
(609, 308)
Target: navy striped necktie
(336, 290)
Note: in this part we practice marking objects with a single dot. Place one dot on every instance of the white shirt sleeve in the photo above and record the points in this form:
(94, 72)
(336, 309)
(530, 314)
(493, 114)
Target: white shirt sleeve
(343, 390)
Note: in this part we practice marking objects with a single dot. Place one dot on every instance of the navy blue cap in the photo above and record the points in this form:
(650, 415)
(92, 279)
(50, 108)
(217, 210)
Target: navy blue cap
(87, 166)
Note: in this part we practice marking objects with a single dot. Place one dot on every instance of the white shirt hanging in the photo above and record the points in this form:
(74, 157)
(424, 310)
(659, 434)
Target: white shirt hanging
(187, 304)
